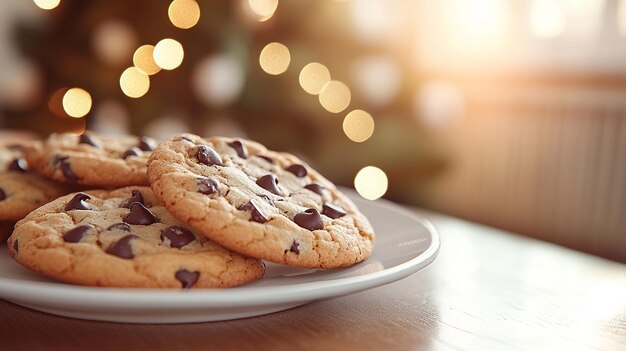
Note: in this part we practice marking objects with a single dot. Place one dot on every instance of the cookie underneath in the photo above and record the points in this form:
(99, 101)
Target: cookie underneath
(123, 238)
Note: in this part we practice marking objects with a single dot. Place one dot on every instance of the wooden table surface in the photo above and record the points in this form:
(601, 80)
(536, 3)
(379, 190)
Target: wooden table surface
(487, 290)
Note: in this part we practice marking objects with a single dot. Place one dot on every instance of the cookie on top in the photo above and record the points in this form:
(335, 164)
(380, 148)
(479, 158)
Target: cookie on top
(261, 203)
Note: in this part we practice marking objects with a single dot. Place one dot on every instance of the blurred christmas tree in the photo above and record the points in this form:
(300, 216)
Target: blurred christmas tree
(220, 87)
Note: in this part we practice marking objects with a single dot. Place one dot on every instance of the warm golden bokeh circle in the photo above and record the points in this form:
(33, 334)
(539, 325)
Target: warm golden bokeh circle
(134, 83)
(184, 14)
(263, 8)
(47, 4)
(313, 77)
(335, 96)
(274, 58)
(76, 102)
(371, 182)
(144, 61)
(358, 126)
(168, 54)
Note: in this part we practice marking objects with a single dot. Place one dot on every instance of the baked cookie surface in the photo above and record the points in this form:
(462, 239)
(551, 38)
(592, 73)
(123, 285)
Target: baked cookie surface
(258, 202)
(92, 159)
(22, 191)
(123, 238)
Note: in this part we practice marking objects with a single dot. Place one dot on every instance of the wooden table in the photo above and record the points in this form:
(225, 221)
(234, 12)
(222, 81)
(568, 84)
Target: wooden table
(487, 290)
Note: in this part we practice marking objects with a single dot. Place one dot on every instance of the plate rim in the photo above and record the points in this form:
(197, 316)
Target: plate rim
(139, 298)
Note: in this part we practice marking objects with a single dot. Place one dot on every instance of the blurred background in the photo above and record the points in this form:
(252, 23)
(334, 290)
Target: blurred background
(505, 112)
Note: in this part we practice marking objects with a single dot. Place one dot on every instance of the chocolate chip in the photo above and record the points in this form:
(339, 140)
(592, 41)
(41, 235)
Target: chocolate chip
(206, 155)
(242, 151)
(299, 170)
(146, 144)
(78, 202)
(309, 219)
(63, 163)
(207, 186)
(187, 278)
(333, 211)
(139, 214)
(119, 226)
(74, 235)
(3, 195)
(316, 188)
(87, 139)
(269, 182)
(255, 214)
(133, 151)
(295, 247)
(16, 245)
(122, 247)
(178, 236)
(266, 158)
(134, 197)
(18, 165)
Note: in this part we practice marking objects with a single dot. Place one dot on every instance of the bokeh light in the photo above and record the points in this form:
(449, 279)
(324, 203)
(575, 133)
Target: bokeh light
(263, 8)
(358, 126)
(371, 182)
(335, 96)
(114, 41)
(376, 79)
(274, 58)
(218, 80)
(168, 54)
(134, 83)
(47, 4)
(313, 77)
(144, 61)
(77, 102)
(184, 13)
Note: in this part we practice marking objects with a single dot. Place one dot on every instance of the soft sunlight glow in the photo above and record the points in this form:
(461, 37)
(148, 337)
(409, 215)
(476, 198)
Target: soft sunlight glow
(168, 54)
(547, 18)
(184, 13)
(313, 77)
(274, 58)
(482, 20)
(77, 102)
(134, 83)
(47, 4)
(143, 59)
(358, 126)
(621, 17)
(371, 183)
(335, 96)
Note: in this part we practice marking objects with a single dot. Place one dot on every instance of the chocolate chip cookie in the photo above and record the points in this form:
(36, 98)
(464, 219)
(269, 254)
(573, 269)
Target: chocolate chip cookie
(258, 202)
(22, 191)
(123, 238)
(93, 159)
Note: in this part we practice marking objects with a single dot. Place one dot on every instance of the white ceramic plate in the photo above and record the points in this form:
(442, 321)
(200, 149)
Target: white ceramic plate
(404, 245)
